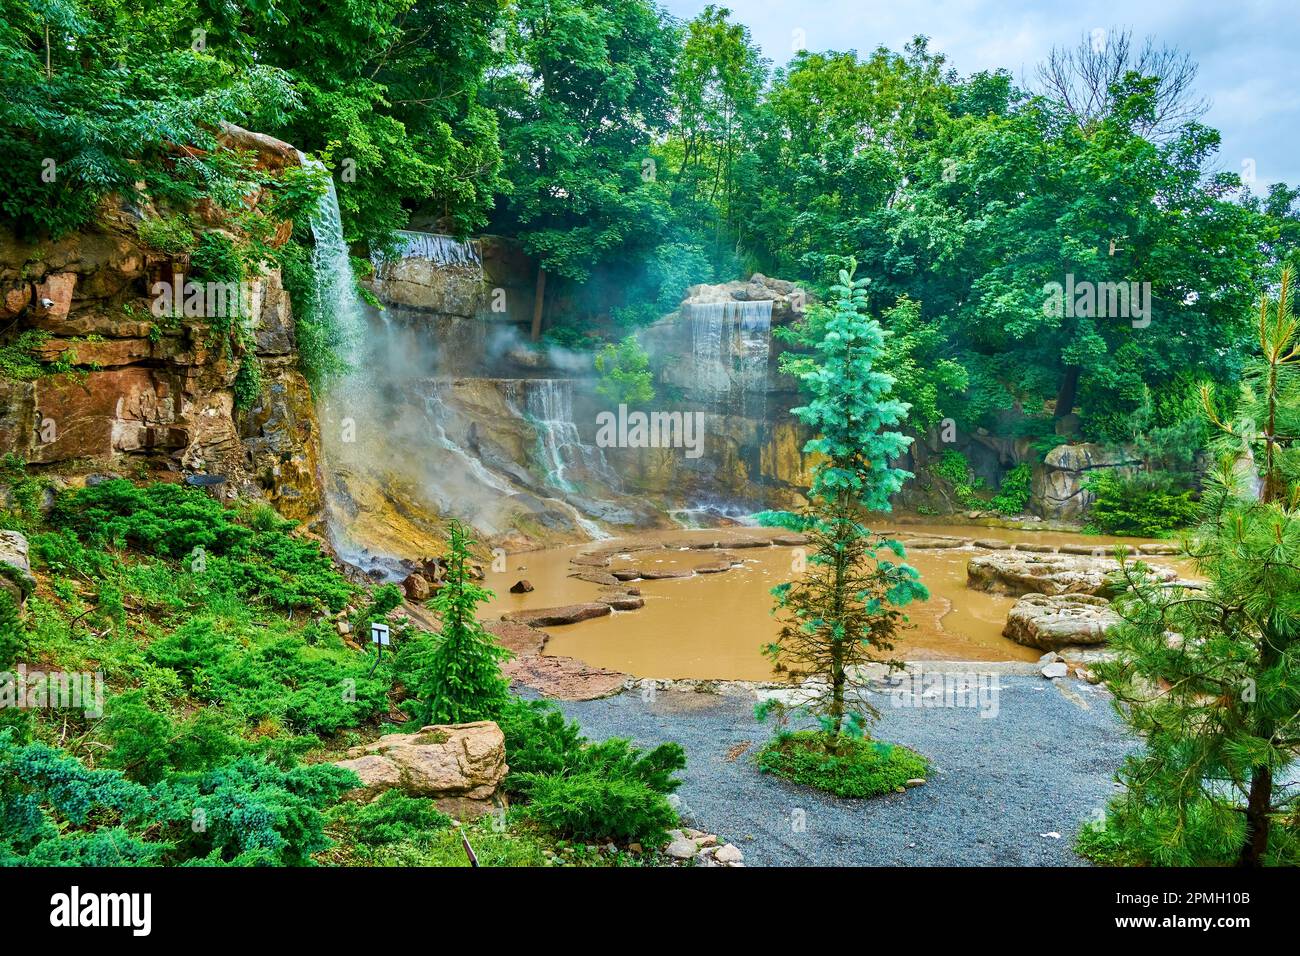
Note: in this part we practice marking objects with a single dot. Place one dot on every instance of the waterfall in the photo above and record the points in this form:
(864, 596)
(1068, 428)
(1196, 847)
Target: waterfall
(336, 289)
(444, 251)
(730, 341)
(440, 413)
(548, 404)
(391, 434)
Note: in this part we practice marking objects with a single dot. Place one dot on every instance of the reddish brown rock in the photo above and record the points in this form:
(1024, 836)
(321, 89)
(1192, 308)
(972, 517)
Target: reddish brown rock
(520, 639)
(15, 300)
(563, 678)
(416, 587)
(54, 295)
(521, 586)
(555, 616)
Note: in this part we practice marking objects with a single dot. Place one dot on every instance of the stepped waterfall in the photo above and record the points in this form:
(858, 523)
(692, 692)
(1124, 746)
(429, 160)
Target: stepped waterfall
(389, 427)
(730, 342)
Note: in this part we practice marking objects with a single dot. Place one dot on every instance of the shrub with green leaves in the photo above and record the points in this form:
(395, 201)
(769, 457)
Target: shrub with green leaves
(590, 791)
(857, 768)
(392, 817)
(278, 678)
(625, 376)
(1147, 505)
(55, 810)
(261, 562)
(1014, 492)
(954, 468)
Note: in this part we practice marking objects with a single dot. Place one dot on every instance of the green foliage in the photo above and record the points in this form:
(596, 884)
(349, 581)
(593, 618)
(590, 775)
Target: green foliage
(147, 744)
(394, 817)
(1210, 677)
(455, 675)
(244, 812)
(588, 790)
(17, 361)
(279, 679)
(625, 376)
(1144, 505)
(916, 354)
(578, 113)
(96, 98)
(12, 638)
(590, 806)
(853, 768)
(954, 468)
(714, 92)
(173, 235)
(845, 609)
(22, 511)
(226, 556)
(1014, 492)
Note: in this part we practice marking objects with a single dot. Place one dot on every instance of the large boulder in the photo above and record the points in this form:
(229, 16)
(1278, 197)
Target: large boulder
(458, 766)
(15, 569)
(1062, 620)
(1018, 572)
(1058, 491)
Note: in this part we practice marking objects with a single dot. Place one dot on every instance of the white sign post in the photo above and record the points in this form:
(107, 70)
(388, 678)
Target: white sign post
(379, 638)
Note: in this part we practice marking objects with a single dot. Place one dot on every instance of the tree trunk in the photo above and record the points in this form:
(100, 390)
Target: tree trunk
(539, 301)
(1069, 391)
(1257, 821)
(837, 648)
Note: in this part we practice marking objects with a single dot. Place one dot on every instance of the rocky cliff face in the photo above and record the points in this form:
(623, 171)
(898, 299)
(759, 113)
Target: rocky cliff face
(1059, 489)
(135, 393)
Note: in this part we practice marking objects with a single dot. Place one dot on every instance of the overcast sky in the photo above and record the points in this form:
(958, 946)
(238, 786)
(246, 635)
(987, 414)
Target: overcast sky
(1247, 50)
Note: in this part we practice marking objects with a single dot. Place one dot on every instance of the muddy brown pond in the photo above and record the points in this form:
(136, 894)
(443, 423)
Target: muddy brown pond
(713, 625)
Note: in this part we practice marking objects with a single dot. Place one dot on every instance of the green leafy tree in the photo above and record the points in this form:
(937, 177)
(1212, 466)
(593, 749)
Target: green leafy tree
(99, 98)
(715, 86)
(838, 137)
(1211, 676)
(391, 93)
(625, 376)
(578, 112)
(844, 612)
(1018, 197)
(455, 675)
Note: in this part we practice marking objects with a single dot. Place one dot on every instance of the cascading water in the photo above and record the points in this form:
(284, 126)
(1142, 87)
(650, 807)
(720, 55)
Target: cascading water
(548, 404)
(435, 404)
(336, 288)
(437, 248)
(394, 439)
(730, 342)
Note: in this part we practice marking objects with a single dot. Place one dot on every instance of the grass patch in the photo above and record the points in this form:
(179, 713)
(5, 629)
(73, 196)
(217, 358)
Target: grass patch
(1104, 846)
(515, 841)
(858, 768)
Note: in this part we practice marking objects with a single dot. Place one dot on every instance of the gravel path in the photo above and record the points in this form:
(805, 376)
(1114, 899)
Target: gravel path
(1043, 765)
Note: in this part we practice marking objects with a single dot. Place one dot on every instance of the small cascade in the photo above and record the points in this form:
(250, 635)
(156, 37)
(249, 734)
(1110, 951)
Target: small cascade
(548, 404)
(439, 413)
(730, 341)
(444, 251)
